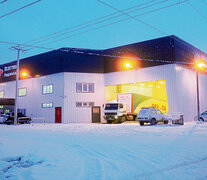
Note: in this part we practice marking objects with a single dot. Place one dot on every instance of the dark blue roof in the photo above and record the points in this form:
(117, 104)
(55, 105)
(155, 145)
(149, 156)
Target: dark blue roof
(169, 49)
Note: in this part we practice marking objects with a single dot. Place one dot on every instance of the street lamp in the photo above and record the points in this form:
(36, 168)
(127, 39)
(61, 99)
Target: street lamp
(128, 65)
(200, 65)
(25, 74)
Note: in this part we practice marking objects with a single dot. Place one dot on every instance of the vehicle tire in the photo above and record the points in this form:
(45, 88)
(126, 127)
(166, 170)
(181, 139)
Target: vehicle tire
(165, 122)
(141, 123)
(123, 119)
(134, 117)
(201, 119)
(153, 121)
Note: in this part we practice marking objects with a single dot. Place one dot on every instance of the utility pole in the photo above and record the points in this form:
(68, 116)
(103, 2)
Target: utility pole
(19, 49)
(198, 101)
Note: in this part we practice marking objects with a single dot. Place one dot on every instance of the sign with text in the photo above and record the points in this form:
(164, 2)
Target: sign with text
(8, 72)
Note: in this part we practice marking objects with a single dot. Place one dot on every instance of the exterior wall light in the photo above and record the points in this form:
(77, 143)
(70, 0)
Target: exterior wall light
(26, 75)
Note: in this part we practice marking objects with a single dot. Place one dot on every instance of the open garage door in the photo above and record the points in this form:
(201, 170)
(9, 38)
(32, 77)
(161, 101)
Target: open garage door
(145, 94)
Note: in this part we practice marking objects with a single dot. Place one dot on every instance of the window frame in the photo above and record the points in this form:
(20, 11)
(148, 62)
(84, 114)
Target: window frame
(47, 106)
(46, 89)
(21, 89)
(3, 91)
(87, 87)
(85, 106)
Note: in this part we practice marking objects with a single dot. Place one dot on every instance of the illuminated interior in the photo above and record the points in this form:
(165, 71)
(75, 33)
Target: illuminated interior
(145, 94)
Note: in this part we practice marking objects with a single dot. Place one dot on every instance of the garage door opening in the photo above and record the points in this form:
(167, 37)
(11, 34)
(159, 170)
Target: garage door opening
(146, 94)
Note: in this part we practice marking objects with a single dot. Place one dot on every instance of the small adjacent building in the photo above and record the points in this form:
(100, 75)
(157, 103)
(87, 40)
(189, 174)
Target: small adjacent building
(70, 85)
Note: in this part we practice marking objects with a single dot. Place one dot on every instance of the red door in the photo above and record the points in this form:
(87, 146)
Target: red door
(58, 115)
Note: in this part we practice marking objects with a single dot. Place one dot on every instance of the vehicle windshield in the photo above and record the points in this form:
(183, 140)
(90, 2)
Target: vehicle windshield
(3, 115)
(111, 107)
(204, 113)
(143, 111)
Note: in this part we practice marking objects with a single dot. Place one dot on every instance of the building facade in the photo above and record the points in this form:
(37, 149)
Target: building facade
(68, 82)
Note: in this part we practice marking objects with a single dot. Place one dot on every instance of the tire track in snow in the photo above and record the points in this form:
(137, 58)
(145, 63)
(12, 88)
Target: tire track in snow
(180, 141)
(147, 174)
(94, 163)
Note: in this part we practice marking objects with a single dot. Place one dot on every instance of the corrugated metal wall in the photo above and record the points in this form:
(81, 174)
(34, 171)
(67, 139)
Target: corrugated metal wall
(164, 72)
(74, 114)
(32, 102)
(180, 85)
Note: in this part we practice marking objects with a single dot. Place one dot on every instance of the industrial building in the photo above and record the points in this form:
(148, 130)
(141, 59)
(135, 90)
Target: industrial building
(70, 85)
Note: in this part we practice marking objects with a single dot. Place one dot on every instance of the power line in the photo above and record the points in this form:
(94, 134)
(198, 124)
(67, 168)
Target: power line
(134, 17)
(19, 9)
(153, 27)
(77, 29)
(93, 54)
(204, 2)
(102, 26)
(3, 1)
(198, 11)
(94, 29)
(88, 23)
(27, 45)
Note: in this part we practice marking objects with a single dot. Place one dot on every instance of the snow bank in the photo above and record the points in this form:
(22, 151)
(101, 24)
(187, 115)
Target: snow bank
(103, 151)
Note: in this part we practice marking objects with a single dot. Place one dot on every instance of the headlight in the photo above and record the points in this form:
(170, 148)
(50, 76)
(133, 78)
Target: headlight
(116, 117)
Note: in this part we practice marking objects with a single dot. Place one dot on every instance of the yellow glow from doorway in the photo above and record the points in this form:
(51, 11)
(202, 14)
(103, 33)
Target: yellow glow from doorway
(154, 93)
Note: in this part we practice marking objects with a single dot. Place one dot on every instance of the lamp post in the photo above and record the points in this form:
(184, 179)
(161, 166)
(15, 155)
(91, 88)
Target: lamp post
(200, 65)
(197, 90)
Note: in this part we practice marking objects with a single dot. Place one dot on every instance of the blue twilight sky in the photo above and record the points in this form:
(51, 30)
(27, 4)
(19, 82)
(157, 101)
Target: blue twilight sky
(187, 20)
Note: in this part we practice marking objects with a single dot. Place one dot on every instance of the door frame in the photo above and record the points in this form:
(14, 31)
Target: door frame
(60, 114)
(92, 120)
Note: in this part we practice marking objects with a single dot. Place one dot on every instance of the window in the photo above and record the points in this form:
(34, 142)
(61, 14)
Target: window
(159, 112)
(22, 91)
(47, 105)
(1, 94)
(84, 104)
(85, 87)
(47, 89)
(111, 106)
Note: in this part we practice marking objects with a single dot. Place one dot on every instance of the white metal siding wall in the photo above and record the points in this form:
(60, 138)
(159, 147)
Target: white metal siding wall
(82, 114)
(32, 102)
(180, 85)
(164, 72)
(186, 92)
(34, 99)
(9, 89)
(203, 92)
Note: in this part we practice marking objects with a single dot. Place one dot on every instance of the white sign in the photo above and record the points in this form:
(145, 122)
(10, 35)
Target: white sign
(10, 68)
(126, 98)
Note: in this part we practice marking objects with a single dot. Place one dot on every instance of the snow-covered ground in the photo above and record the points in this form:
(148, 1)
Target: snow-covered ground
(103, 151)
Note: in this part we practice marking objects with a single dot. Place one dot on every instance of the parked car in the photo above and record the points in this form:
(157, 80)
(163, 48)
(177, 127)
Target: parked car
(9, 118)
(2, 118)
(203, 116)
(150, 115)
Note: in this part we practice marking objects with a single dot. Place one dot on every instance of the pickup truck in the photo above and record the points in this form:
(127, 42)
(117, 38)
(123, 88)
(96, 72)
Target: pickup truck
(150, 115)
(9, 118)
